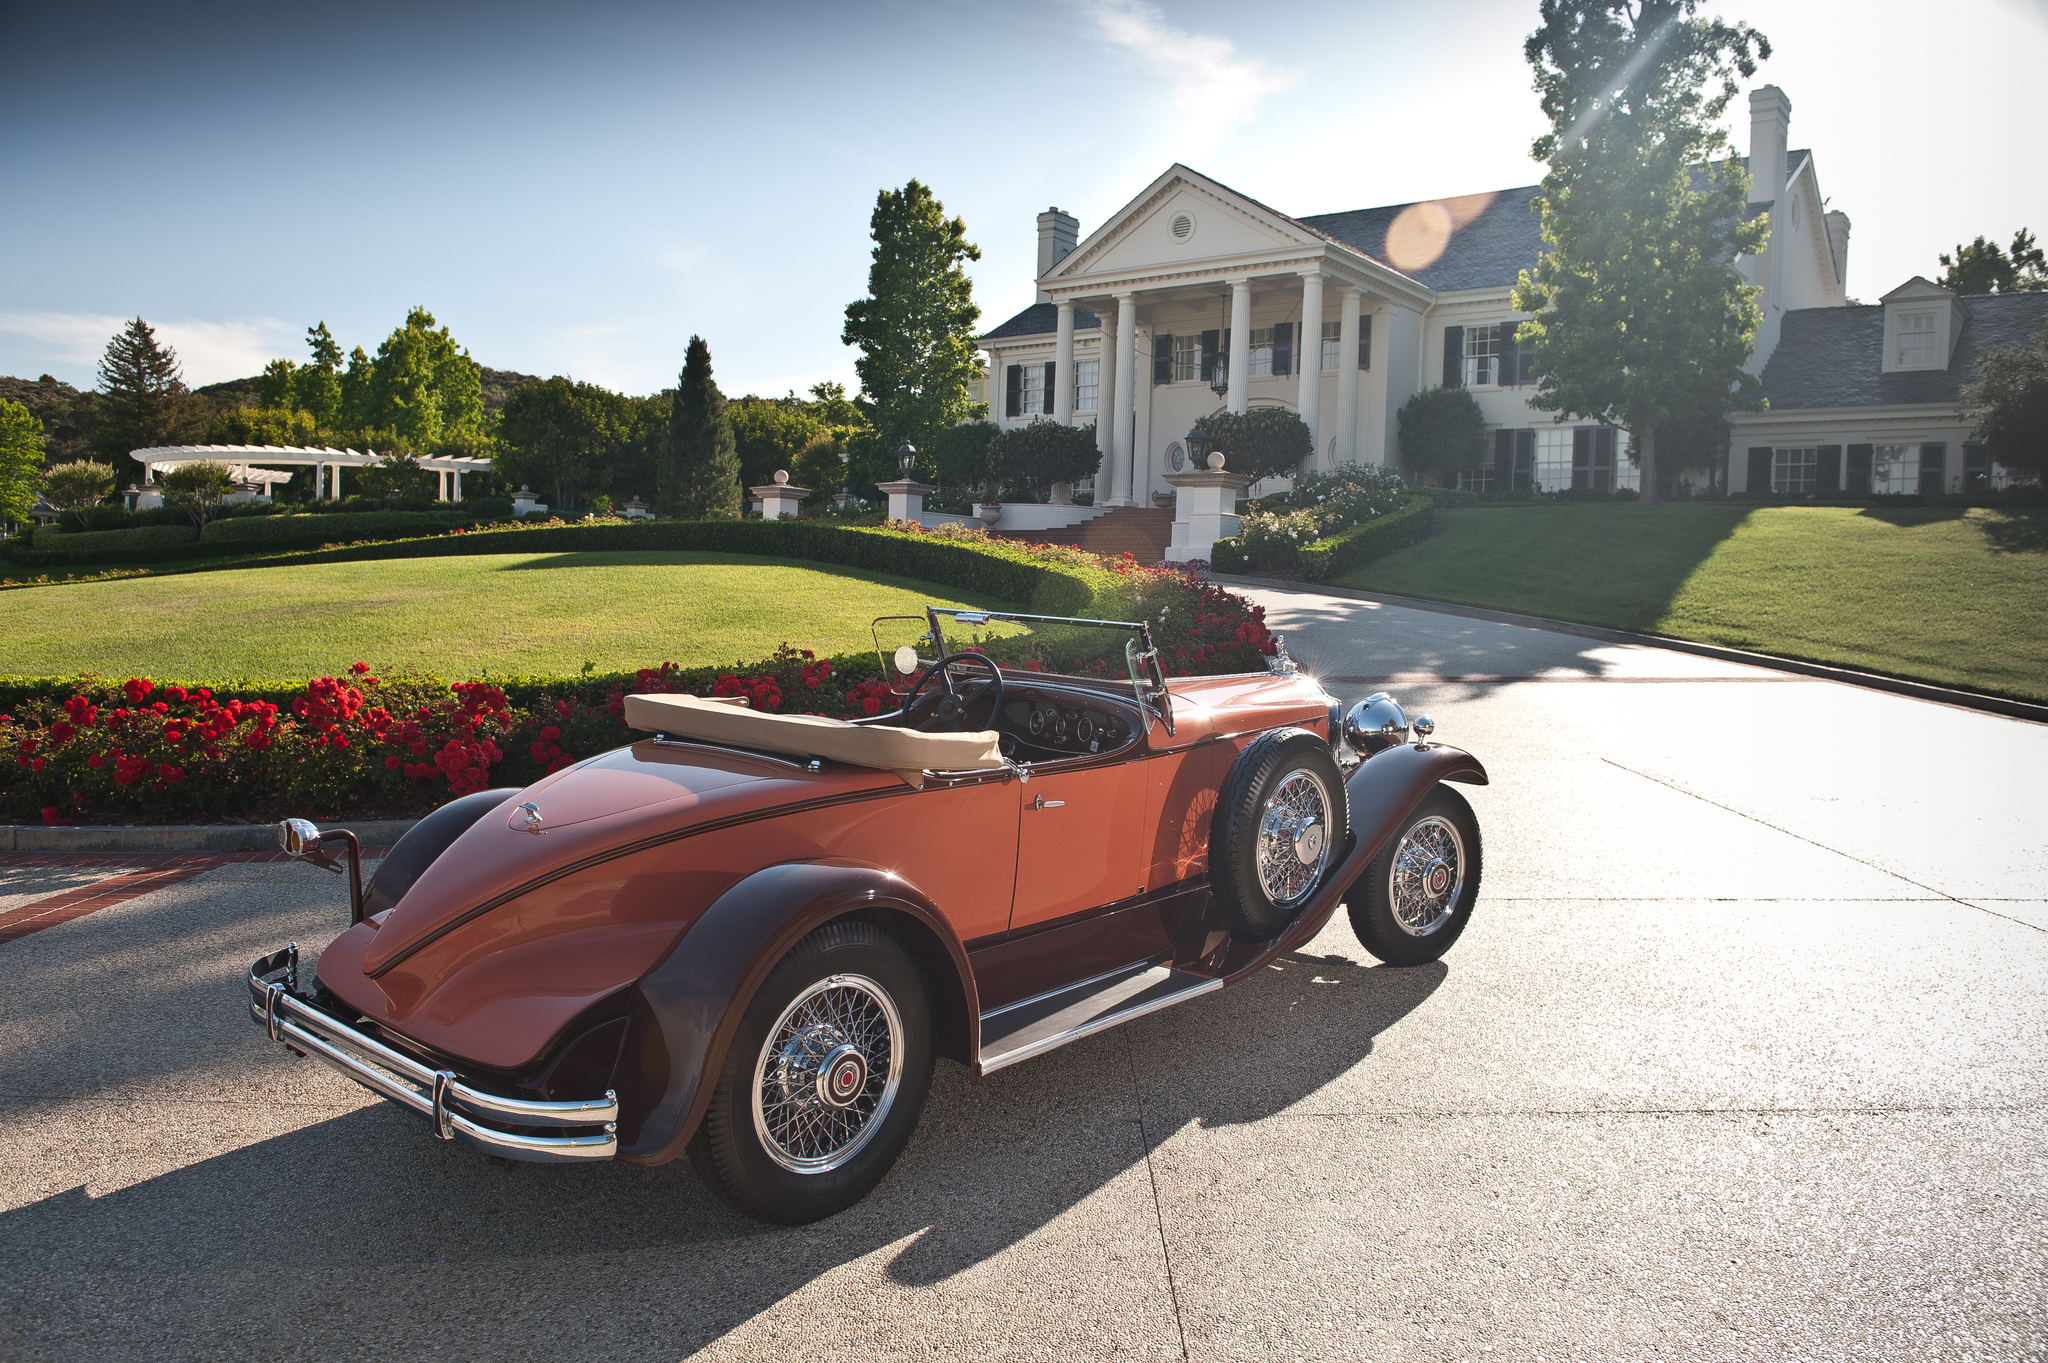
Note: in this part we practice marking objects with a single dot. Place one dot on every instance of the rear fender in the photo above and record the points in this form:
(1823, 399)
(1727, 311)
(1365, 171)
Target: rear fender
(686, 1010)
(423, 843)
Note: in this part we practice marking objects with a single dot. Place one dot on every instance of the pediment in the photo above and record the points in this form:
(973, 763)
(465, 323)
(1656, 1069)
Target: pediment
(1916, 289)
(1182, 216)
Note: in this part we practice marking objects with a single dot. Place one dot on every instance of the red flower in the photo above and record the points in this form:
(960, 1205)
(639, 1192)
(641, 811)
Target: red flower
(394, 762)
(175, 693)
(96, 761)
(359, 668)
(562, 708)
(136, 688)
(38, 764)
(169, 773)
(53, 817)
(550, 734)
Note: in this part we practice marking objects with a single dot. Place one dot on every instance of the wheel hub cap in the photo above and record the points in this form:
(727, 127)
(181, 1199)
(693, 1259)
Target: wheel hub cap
(828, 1073)
(843, 1075)
(1293, 838)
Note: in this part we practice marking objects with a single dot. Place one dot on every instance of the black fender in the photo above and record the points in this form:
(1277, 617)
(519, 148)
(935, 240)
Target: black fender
(1382, 793)
(423, 844)
(687, 1008)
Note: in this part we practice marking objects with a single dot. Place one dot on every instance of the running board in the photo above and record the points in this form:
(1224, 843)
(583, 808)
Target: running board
(1035, 1026)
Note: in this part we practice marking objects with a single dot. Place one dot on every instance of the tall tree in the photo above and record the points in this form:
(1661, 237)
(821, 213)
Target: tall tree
(1641, 321)
(21, 460)
(1981, 267)
(318, 384)
(915, 329)
(700, 473)
(423, 386)
(143, 398)
(561, 434)
(2008, 405)
(278, 385)
(769, 434)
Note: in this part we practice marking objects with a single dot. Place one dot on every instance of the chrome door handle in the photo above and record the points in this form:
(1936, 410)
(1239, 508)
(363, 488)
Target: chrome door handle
(1040, 802)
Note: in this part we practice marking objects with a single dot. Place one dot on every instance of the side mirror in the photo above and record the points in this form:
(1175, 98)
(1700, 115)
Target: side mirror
(298, 836)
(302, 838)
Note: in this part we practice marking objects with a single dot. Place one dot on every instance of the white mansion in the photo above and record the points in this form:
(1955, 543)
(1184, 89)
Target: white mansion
(1194, 297)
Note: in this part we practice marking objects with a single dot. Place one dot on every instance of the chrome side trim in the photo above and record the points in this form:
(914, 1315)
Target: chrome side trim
(991, 1063)
(661, 740)
(435, 1094)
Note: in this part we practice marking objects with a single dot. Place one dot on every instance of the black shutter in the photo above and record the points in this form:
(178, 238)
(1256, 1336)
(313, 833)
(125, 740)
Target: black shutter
(1162, 359)
(1525, 461)
(1052, 378)
(1283, 347)
(1827, 469)
(1859, 468)
(1504, 461)
(1934, 467)
(1454, 357)
(1365, 341)
(1582, 456)
(1759, 468)
(1209, 339)
(1016, 380)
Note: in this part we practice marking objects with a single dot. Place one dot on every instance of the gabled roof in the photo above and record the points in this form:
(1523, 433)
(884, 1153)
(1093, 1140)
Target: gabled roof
(1486, 251)
(1041, 319)
(1834, 357)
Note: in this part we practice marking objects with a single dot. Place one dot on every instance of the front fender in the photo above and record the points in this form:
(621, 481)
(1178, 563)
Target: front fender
(687, 1008)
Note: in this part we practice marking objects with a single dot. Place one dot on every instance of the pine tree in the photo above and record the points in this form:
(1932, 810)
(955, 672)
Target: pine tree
(700, 464)
(143, 397)
(318, 384)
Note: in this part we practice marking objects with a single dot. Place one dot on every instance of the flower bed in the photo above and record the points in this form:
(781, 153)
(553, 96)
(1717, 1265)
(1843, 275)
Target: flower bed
(358, 743)
(1278, 529)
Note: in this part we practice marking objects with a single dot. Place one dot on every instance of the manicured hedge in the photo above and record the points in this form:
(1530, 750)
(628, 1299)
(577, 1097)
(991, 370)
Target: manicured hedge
(314, 530)
(107, 544)
(1345, 550)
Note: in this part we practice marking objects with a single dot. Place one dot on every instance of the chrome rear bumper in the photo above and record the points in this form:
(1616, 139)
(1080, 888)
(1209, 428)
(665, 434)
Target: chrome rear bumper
(456, 1110)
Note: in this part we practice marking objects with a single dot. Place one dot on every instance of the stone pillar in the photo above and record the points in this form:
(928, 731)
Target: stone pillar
(906, 498)
(1063, 367)
(1126, 400)
(458, 484)
(779, 500)
(1309, 355)
(1240, 345)
(1204, 510)
(1347, 374)
(1105, 403)
(334, 492)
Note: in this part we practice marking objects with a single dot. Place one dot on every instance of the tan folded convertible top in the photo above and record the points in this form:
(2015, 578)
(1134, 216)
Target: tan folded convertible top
(906, 752)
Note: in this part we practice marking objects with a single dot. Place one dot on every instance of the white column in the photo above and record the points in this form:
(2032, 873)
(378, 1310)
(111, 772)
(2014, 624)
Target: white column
(1126, 398)
(1240, 344)
(458, 485)
(337, 482)
(1141, 437)
(1347, 375)
(1105, 409)
(1309, 360)
(1063, 367)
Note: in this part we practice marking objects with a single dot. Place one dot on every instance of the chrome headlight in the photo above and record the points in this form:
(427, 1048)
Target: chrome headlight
(1375, 724)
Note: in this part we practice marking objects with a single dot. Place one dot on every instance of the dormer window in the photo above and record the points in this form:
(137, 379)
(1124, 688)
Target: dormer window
(1916, 341)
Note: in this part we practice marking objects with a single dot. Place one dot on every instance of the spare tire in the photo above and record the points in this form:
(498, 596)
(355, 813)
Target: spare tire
(1281, 821)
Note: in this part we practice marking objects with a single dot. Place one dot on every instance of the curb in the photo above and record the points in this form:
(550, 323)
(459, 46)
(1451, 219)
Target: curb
(260, 837)
(1875, 681)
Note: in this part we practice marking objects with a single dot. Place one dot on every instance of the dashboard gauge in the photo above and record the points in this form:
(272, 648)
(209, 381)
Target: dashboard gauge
(1062, 725)
(1085, 729)
(1037, 722)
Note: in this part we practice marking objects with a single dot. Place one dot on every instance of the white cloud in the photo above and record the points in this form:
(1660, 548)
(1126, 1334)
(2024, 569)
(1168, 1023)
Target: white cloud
(1214, 86)
(207, 351)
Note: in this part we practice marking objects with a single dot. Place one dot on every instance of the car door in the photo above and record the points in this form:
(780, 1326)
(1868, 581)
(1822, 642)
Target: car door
(1079, 839)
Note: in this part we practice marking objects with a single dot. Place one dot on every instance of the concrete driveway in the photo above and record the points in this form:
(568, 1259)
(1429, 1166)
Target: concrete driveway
(1742, 1057)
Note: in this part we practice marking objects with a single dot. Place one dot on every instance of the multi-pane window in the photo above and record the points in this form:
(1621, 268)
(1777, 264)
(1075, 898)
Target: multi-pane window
(1333, 343)
(1553, 458)
(1482, 355)
(1792, 470)
(1034, 390)
(1262, 352)
(1895, 468)
(1916, 339)
(1087, 384)
(1477, 480)
(1187, 358)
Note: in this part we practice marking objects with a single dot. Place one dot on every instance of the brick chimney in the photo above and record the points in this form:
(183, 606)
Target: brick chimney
(1058, 233)
(1770, 124)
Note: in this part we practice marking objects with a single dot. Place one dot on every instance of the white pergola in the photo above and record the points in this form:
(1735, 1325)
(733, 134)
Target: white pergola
(242, 461)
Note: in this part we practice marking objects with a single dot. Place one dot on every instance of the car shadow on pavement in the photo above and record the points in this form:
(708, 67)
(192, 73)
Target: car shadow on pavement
(335, 1235)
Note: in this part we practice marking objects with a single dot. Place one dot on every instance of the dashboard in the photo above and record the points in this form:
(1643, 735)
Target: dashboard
(1058, 726)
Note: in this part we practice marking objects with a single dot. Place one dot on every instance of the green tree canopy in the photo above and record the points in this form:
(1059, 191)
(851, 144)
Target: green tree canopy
(143, 400)
(915, 329)
(78, 485)
(960, 454)
(1981, 267)
(1035, 457)
(769, 433)
(1265, 442)
(197, 489)
(1640, 320)
(818, 468)
(277, 387)
(423, 386)
(2008, 405)
(21, 460)
(317, 385)
(700, 464)
(1442, 432)
(561, 434)
(398, 477)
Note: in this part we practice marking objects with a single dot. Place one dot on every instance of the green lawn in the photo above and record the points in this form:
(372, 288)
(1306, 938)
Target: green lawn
(1958, 597)
(508, 613)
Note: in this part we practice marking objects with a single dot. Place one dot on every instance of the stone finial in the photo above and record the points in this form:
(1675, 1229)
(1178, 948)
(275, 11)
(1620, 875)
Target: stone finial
(1215, 459)
(782, 475)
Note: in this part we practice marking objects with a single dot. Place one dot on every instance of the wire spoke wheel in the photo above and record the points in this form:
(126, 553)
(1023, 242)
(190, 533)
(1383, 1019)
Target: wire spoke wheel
(828, 1073)
(1427, 871)
(1294, 837)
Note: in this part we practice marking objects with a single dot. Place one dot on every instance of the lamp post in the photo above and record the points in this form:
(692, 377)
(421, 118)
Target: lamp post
(1197, 443)
(906, 459)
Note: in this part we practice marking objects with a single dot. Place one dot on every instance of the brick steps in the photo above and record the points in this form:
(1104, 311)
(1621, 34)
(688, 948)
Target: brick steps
(1142, 532)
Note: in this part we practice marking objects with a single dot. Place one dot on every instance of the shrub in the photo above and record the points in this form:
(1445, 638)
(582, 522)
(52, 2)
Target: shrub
(317, 529)
(1319, 505)
(1442, 431)
(92, 544)
(1265, 442)
(1362, 543)
(1035, 457)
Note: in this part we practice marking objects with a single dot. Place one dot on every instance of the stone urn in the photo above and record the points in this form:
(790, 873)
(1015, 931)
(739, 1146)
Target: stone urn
(990, 512)
(1062, 495)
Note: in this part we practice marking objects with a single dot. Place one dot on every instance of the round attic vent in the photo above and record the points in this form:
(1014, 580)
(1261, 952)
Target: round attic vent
(1183, 226)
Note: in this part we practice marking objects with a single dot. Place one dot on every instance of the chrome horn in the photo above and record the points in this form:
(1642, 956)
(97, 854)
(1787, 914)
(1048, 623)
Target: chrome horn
(302, 838)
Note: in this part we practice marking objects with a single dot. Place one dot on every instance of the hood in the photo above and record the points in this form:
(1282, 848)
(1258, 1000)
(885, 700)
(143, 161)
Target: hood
(629, 797)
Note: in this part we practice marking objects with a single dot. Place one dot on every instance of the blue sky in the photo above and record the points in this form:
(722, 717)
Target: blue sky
(577, 189)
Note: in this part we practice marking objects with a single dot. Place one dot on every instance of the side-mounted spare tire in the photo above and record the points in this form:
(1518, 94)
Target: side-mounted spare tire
(1281, 822)
(423, 844)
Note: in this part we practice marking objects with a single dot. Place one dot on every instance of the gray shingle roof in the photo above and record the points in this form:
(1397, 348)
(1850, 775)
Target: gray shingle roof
(1834, 357)
(1042, 319)
(1486, 253)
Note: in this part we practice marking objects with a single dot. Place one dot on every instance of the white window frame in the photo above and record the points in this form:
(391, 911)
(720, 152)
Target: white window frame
(1482, 356)
(1087, 385)
(1917, 331)
(1795, 469)
(1032, 396)
(1333, 344)
(1894, 468)
(1552, 469)
(1260, 364)
(1187, 357)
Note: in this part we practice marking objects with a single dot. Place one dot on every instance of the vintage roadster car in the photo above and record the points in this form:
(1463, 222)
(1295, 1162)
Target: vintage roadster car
(747, 935)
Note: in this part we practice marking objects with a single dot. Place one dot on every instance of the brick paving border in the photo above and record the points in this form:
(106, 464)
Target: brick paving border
(139, 874)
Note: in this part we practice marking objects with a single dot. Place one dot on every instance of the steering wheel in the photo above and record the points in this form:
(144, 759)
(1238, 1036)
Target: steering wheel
(949, 702)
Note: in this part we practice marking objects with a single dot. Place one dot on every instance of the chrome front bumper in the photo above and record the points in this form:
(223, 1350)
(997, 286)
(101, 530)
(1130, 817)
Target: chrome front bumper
(457, 1111)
